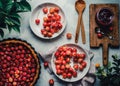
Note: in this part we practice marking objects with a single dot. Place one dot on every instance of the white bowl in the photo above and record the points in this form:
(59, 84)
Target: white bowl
(80, 74)
(38, 13)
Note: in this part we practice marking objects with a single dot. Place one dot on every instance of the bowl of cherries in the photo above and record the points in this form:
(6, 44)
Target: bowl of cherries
(47, 20)
(70, 62)
(104, 16)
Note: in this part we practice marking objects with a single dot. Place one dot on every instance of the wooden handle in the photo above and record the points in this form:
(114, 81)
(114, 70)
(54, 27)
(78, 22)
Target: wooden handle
(78, 28)
(105, 53)
(83, 32)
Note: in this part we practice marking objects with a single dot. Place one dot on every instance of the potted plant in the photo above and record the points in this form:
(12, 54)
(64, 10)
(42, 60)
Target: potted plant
(110, 74)
(9, 14)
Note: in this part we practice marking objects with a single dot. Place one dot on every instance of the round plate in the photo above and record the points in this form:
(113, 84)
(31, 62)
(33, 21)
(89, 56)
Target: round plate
(80, 74)
(38, 13)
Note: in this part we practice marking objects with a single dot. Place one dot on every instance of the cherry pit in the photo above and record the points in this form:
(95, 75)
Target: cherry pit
(69, 62)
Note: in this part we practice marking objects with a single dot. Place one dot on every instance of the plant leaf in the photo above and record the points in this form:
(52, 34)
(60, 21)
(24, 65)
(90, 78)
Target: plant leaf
(14, 21)
(9, 28)
(0, 3)
(8, 22)
(1, 33)
(26, 5)
(23, 6)
(16, 28)
(15, 15)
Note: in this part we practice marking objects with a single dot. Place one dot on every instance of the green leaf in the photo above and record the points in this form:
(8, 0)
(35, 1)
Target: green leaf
(9, 28)
(13, 21)
(23, 6)
(15, 15)
(26, 5)
(0, 3)
(8, 22)
(114, 63)
(1, 33)
(16, 28)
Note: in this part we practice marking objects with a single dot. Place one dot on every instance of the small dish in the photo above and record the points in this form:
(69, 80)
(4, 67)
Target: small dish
(80, 74)
(38, 13)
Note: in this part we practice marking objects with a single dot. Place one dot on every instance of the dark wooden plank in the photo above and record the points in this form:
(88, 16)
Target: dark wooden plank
(105, 42)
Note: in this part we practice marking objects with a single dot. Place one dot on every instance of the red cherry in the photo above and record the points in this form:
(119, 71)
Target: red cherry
(99, 35)
(57, 67)
(58, 72)
(51, 82)
(68, 52)
(80, 67)
(74, 74)
(63, 62)
(67, 66)
(69, 75)
(8, 58)
(33, 70)
(64, 75)
(62, 67)
(37, 21)
(50, 34)
(84, 64)
(45, 64)
(69, 35)
(75, 66)
(56, 9)
(80, 60)
(45, 10)
(111, 28)
(51, 10)
(24, 78)
(83, 55)
(68, 60)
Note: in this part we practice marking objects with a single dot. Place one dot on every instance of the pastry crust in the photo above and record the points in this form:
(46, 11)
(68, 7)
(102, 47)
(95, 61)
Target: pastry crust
(33, 53)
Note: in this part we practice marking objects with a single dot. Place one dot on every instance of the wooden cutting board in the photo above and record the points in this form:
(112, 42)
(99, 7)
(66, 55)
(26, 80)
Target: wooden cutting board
(105, 41)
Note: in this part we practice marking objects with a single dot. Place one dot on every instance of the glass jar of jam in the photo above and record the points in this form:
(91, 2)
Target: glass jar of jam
(104, 17)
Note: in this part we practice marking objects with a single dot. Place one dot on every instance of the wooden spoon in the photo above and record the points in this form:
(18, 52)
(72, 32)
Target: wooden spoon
(80, 6)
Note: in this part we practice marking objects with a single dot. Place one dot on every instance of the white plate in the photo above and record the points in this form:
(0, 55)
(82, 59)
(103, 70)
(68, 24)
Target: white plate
(80, 74)
(38, 13)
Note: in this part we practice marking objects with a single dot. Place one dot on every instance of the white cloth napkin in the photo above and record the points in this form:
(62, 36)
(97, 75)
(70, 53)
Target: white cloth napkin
(87, 80)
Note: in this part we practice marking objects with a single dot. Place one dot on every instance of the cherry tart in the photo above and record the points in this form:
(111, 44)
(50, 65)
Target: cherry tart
(19, 63)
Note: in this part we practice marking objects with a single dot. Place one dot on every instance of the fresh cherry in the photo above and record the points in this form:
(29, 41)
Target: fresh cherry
(51, 82)
(45, 64)
(37, 21)
(45, 10)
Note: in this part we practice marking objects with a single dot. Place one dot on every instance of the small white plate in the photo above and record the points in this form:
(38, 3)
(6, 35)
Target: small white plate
(38, 13)
(80, 74)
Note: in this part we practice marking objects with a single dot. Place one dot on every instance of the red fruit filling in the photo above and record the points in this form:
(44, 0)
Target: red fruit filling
(17, 65)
